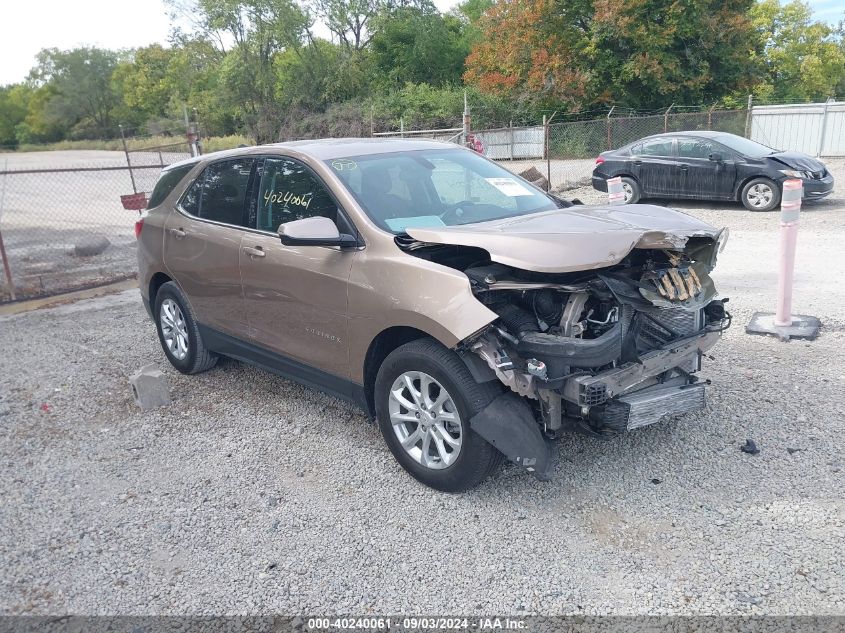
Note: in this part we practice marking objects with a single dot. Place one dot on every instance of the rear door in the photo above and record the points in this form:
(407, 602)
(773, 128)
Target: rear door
(296, 296)
(202, 244)
(653, 165)
(701, 177)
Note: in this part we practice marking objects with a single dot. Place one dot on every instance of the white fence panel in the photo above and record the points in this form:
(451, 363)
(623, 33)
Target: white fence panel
(512, 142)
(817, 129)
(834, 134)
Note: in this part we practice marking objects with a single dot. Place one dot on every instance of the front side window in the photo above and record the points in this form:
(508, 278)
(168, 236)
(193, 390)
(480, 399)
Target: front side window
(694, 148)
(431, 188)
(289, 191)
(220, 192)
(656, 147)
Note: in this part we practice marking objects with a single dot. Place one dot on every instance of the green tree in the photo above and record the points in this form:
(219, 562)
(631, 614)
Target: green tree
(258, 30)
(417, 44)
(801, 59)
(143, 80)
(349, 20)
(14, 106)
(641, 53)
(646, 54)
(83, 96)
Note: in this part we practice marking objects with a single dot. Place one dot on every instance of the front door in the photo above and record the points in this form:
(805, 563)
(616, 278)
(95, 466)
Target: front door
(296, 296)
(701, 177)
(653, 165)
(202, 240)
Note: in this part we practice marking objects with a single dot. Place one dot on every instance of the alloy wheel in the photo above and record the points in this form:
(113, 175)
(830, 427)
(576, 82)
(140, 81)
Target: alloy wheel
(425, 420)
(760, 195)
(174, 330)
(628, 190)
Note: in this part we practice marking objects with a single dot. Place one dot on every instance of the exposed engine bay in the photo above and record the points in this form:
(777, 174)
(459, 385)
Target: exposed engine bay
(599, 351)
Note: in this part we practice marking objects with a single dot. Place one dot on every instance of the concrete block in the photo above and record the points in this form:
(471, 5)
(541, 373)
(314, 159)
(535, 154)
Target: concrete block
(150, 388)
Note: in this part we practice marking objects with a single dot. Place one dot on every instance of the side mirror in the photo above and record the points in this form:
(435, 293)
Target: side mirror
(716, 156)
(317, 231)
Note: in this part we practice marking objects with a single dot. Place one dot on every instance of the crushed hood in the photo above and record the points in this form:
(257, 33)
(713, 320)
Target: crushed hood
(574, 238)
(798, 160)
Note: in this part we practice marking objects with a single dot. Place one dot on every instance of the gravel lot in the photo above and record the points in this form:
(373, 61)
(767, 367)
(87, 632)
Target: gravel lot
(252, 494)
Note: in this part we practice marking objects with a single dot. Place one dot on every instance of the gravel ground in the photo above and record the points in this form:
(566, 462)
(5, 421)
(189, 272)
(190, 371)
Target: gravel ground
(252, 494)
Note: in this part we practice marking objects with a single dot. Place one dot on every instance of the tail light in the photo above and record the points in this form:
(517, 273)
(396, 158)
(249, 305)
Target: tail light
(139, 224)
(599, 160)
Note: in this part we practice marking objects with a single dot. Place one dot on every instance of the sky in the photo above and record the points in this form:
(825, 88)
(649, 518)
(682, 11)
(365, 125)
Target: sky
(31, 26)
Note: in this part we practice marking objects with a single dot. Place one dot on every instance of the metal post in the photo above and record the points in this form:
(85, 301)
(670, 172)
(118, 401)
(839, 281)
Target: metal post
(511, 127)
(6, 267)
(666, 118)
(466, 121)
(372, 114)
(823, 132)
(128, 162)
(710, 117)
(402, 127)
(609, 146)
(748, 117)
(198, 138)
(547, 124)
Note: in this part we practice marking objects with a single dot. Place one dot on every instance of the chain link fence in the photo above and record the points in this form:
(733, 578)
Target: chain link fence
(564, 153)
(63, 225)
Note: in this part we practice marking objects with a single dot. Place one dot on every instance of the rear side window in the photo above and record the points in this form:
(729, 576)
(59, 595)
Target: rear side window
(289, 191)
(166, 183)
(221, 192)
(657, 147)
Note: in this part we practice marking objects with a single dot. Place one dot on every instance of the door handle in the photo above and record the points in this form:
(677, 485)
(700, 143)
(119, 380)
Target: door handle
(254, 252)
(683, 167)
(178, 233)
(638, 162)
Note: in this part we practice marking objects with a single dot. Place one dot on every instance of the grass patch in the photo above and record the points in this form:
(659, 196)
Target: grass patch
(210, 144)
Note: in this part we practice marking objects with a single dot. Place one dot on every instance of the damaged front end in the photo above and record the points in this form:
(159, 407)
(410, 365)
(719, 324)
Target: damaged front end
(601, 351)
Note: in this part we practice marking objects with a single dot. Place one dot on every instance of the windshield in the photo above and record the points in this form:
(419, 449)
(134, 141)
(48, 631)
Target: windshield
(432, 188)
(745, 146)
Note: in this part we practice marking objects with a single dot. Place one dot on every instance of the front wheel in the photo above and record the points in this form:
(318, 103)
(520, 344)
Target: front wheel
(425, 398)
(760, 194)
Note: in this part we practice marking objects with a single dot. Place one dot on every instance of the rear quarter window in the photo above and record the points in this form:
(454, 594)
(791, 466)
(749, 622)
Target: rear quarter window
(166, 183)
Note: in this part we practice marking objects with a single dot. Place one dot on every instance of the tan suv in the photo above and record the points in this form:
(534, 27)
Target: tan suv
(467, 311)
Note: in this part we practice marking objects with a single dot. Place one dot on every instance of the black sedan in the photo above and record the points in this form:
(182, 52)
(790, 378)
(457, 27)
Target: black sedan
(709, 166)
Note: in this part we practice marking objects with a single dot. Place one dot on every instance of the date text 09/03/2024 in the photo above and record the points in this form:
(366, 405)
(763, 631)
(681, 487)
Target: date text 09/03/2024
(419, 623)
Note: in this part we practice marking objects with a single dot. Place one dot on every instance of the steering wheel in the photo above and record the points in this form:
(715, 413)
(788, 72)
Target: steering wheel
(454, 211)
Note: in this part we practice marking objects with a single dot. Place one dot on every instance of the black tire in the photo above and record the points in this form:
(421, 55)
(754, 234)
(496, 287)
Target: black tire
(636, 192)
(477, 458)
(756, 185)
(198, 358)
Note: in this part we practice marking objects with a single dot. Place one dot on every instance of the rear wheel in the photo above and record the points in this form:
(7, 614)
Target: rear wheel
(178, 332)
(760, 194)
(631, 189)
(425, 398)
